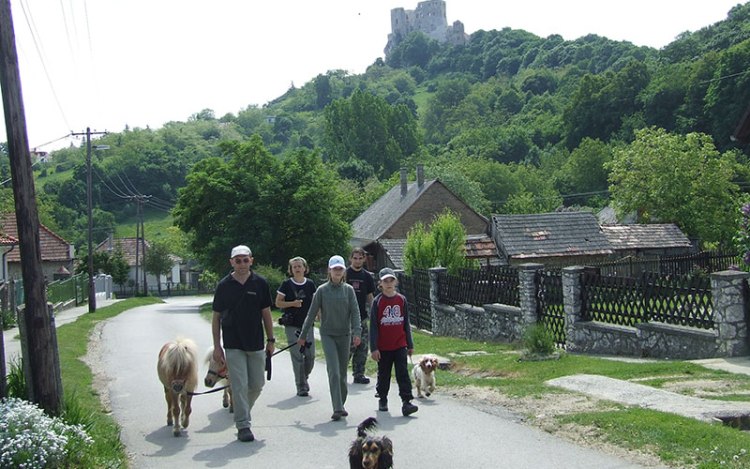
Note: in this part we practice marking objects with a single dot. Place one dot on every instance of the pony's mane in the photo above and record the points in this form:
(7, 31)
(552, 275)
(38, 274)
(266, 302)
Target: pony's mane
(181, 357)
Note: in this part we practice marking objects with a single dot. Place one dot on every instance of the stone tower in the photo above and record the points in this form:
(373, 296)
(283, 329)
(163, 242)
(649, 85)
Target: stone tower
(430, 18)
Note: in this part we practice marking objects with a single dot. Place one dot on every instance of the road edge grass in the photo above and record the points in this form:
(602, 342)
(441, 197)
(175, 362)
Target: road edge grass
(78, 391)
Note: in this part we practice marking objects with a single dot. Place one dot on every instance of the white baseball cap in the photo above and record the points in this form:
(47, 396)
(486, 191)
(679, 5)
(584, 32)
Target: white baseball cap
(241, 250)
(336, 262)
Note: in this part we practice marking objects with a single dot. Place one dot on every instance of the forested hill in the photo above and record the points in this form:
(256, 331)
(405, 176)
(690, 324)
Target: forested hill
(512, 122)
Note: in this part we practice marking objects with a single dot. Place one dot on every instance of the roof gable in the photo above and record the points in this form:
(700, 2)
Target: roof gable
(392, 208)
(53, 248)
(386, 211)
(654, 236)
(550, 235)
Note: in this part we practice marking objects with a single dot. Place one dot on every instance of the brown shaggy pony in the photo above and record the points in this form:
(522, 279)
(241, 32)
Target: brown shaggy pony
(178, 372)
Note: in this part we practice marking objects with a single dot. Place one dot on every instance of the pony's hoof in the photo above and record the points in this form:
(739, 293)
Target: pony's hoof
(231, 410)
(225, 404)
(169, 423)
(177, 433)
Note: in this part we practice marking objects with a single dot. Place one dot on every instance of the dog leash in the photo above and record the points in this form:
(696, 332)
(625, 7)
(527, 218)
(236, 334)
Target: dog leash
(206, 392)
(269, 355)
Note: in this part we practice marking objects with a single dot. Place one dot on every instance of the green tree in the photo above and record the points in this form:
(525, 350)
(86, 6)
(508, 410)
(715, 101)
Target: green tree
(323, 91)
(278, 209)
(443, 244)
(159, 262)
(366, 127)
(415, 50)
(419, 251)
(667, 178)
(585, 171)
(118, 267)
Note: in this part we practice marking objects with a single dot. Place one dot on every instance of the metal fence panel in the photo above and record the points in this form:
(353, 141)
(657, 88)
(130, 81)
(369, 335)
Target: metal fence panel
(549, 295)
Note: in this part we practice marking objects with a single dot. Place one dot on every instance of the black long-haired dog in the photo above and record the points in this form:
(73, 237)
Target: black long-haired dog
(368, 452)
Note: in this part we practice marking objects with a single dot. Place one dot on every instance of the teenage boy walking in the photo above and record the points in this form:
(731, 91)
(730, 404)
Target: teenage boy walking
(364, 287)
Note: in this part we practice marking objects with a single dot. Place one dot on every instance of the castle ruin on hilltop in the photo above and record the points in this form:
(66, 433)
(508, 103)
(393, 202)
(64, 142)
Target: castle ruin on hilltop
(429, 17)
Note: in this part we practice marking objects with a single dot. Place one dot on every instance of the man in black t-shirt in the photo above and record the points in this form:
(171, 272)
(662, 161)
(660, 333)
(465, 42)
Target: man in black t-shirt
(364, 287)
(242, 310)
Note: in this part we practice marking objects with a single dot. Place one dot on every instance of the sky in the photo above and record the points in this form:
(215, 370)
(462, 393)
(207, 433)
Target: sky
(108, 64)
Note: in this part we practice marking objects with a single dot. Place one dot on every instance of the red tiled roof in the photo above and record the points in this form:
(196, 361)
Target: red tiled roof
(52, 246)
(7, 240)
(480, 247)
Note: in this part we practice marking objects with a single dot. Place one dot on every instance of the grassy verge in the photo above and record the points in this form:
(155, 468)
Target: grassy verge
(82, 403)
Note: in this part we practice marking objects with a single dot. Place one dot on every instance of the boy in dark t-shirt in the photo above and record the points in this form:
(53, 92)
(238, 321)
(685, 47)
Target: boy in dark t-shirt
(364, 288)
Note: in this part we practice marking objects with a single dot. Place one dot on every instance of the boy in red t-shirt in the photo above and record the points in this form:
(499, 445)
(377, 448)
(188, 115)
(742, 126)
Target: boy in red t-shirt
(390, 341)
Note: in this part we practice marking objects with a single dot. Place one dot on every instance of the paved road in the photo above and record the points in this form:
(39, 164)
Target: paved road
(293, 431)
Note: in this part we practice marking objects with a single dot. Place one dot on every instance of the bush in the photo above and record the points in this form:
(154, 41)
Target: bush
(31, 439)
(538, 340)
(273, 275)
(9, 319)
(16, 378)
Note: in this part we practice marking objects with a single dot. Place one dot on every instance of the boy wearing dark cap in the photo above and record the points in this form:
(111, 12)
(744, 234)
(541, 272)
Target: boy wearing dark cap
(391, 341)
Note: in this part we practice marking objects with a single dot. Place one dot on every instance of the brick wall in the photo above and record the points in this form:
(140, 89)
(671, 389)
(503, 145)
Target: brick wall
(436, 198)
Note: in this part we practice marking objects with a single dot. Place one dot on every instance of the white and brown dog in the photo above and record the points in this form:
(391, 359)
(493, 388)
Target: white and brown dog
(424, 375)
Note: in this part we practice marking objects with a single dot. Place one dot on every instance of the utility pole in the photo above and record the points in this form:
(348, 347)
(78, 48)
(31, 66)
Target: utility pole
(137, 241)
(39, 337)
(92, 284)
(143, 241)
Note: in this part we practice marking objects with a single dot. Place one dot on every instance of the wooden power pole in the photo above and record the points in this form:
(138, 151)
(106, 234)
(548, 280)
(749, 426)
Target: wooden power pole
(43, 363)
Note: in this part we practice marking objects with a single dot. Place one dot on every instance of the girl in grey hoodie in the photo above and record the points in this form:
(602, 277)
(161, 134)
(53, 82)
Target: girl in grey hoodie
(340, 328)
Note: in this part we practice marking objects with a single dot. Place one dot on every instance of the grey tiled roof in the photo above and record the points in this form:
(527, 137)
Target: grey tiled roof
(550, 235)
(395, 250)
(656, 236)
(384, 213)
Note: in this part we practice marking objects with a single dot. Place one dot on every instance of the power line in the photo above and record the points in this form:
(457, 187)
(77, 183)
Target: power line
(725, 77)
(27, 16)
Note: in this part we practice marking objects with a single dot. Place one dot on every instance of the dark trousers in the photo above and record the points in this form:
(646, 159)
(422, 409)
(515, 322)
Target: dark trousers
(387, 360)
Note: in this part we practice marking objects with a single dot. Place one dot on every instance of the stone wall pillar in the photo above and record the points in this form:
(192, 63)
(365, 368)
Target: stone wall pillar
(441, 323)
(729, 294)
(528, 288)
(572, 304)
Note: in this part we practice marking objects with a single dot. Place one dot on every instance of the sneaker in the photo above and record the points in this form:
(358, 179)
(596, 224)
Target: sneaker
(245, 434)
(344, 413)
(377, 394)
(303, 393)
(408, 408)
(336, 416)
(361, 380)
(383, 405)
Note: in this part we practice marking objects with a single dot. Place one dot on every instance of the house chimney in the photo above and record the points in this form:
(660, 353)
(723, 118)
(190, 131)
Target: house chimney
(403, 182)
(111, 246)
(420, 175)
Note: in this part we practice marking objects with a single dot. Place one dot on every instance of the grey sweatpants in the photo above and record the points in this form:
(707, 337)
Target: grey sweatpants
(247, 372)
(336, 350)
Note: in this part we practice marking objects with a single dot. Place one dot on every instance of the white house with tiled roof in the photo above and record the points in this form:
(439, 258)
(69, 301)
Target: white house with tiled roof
(128, 248)
(56, 252)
